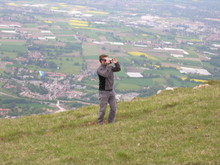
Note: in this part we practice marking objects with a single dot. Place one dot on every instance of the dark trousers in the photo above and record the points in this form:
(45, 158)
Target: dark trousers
(106, 97)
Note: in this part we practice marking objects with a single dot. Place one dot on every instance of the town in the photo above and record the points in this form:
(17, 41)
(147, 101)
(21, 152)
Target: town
(64, 41)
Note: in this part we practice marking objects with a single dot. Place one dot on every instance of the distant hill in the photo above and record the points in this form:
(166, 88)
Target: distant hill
(174, 127)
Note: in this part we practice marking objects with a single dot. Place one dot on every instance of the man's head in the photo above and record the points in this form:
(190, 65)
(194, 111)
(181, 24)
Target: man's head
(103, 59)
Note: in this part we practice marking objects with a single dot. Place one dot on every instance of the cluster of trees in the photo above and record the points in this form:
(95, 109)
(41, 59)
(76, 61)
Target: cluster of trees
(21, 107)
(43, 64)
(11, 103)
(25, 110)
(55, 50)
(35, 89)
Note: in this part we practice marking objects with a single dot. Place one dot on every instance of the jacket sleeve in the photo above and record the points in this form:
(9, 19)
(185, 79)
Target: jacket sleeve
(104, 72)
(117, 67)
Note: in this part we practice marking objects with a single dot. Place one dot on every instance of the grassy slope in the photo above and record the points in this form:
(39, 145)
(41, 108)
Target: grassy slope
(174, 127)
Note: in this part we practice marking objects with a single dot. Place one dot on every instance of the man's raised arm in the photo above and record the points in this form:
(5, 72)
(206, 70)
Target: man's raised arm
(117, 67)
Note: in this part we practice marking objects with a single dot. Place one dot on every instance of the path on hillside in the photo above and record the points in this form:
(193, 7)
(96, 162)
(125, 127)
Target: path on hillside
(61, 109)
(2, 93)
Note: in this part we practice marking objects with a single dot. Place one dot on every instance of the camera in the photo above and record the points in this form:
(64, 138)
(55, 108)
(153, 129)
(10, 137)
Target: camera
(110, 60)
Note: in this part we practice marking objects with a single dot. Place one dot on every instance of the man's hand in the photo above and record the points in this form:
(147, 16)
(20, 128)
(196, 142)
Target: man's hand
(115, 60)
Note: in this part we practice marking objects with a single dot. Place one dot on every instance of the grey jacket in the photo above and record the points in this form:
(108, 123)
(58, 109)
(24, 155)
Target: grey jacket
(106, 76)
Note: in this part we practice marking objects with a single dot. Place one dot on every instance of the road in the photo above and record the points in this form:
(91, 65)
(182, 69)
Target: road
(61, 109)
(2, 93)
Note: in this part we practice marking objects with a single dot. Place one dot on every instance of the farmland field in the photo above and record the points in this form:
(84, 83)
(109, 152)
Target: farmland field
(15, 46)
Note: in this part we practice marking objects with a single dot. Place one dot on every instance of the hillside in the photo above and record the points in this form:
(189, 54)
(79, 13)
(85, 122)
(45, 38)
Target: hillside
(49, 49)
(173, 127)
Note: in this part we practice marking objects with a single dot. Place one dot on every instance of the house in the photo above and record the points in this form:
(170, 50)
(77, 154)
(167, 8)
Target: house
(74, 94)
(4, 112)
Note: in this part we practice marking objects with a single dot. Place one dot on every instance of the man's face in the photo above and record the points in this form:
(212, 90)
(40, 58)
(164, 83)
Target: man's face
(106, 61)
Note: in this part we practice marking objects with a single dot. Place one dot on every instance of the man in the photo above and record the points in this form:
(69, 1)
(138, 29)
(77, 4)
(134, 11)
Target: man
(106, 91)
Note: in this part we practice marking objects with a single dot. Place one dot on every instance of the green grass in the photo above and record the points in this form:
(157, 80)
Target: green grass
(9, 54)
(127, 86)
(163, 71)
(67, 39)
(1, 72)
(69, 66)
(13, 47)
(174, 127)
(90, 50)
(141, 82)
(58, 31)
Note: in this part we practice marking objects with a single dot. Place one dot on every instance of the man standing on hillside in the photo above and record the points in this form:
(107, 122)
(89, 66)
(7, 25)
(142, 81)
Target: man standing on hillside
(106, 91)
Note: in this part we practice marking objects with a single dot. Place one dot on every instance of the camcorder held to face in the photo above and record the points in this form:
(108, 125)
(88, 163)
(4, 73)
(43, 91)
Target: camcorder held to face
(109, 60)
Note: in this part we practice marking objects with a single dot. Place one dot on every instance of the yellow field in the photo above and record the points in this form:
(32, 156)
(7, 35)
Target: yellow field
(145, 35)
(82, 28)
(12, 4)
(63, 5)
(78, 23)
(48, 21)
(156, 66)
(142, 54)
(98, 12)
(54, 8)
(80, 6)
(184, 78)
(196, 40)
(196, 80)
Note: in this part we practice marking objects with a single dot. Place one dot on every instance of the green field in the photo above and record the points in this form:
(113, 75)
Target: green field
(66, 39)
(18, 47)
(9, 54)
(133, 83)
(123, 86)
(163, 71)
(1, 83)
(63, 32)
(69, 65)
(90, 50)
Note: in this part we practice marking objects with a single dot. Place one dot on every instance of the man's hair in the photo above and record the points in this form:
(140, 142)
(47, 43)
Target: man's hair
(101, 57)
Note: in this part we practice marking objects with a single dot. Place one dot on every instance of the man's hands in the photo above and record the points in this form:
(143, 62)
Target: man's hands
(114, 60)
(109, 61)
